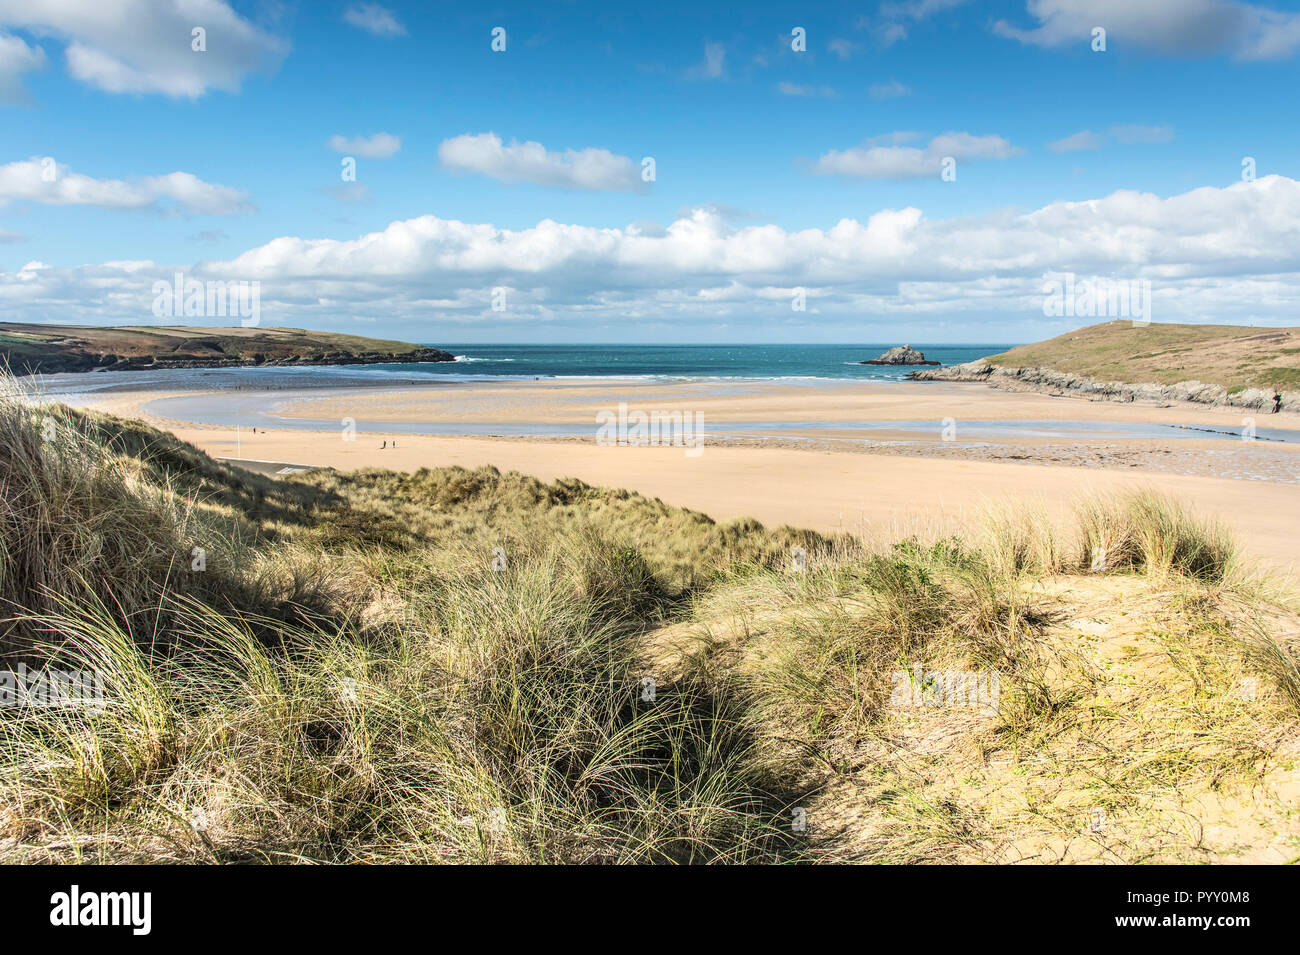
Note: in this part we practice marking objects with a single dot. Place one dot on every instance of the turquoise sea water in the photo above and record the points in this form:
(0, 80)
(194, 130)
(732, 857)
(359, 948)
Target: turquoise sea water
(683, 361)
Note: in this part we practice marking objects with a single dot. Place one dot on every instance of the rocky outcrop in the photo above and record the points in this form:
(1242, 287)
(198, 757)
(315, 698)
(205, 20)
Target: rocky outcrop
(901, 355)
(1048, 381)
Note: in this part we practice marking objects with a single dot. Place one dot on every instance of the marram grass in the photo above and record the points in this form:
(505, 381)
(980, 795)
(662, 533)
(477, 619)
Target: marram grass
(469, 666)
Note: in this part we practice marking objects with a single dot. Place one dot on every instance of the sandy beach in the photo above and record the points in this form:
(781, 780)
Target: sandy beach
(811, 464)
(602, 435)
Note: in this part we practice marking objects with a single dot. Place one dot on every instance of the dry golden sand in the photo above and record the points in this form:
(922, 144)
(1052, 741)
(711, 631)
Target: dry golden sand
(820, 489)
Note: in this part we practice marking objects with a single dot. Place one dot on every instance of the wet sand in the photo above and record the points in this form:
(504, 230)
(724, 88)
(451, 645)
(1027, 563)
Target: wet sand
(578, 402)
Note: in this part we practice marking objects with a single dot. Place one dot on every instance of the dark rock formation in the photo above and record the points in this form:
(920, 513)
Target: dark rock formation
(110, 362)
(902, 355)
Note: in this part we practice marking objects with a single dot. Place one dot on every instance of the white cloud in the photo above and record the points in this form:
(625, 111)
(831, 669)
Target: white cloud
(891, 90)
(375, 19)
(1083, 139)
(6, 237)
(894, 17)
(917, 9)
(378, 146)
(596, 169)
(1142, 134)
(794, 89)
(49, 183)
(1174, 27)
(890, 33)
(1212, 254)
(1127, 134)
(16, 58)
(715, 59)
(842, 48)
(144, 46)
(887, 158)
(350, 192)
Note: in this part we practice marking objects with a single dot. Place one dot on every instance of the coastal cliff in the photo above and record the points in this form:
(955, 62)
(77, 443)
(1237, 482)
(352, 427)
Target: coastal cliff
(1048, 381)
(50, 349)
(1234, 366)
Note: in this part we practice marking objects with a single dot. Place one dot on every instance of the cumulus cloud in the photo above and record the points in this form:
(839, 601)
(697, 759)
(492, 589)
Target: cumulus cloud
(1210, 254)
(45, 181)
(145, 46)
(887, 157)
(486, 155)
(1174, 27)
(16, 58)
(373, 18)
(378, 146)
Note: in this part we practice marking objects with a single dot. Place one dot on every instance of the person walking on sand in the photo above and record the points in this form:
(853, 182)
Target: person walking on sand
(384, 445)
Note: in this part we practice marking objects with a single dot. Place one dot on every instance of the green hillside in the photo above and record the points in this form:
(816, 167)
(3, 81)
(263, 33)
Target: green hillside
(1232, 356)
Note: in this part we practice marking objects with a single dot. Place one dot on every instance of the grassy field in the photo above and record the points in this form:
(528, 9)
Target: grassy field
(469, 666)
(54, 348)
(1232, 356)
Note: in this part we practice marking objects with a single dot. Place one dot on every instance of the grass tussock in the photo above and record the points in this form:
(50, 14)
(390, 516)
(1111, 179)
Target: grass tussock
(469, 666)
(73, 513)
(1149, 532)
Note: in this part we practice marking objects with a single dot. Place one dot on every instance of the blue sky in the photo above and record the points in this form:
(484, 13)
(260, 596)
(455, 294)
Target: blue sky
(760, 150)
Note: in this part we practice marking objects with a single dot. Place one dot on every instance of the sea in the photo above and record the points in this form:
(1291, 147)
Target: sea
(680, 362)
(253, 396)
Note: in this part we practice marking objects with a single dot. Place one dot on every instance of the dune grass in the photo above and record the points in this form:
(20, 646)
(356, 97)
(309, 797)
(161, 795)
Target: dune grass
(469, 666)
